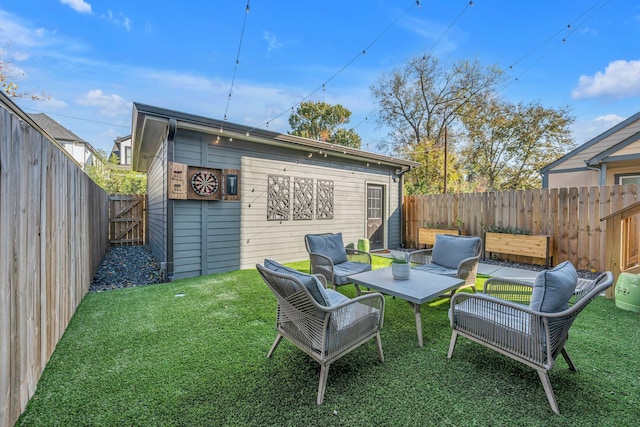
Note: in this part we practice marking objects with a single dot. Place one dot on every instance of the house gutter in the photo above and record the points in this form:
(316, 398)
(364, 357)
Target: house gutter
(173, 126)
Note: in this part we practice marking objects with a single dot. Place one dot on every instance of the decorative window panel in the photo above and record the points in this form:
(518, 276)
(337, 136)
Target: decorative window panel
(277, 198)
(302, 198)
(324, 199)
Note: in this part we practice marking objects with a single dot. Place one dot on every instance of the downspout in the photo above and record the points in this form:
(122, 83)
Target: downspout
(400, 174)
(602, 179)
(173, 125)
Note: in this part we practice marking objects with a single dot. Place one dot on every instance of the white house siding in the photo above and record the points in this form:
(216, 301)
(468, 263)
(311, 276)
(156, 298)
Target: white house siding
(217, 236)
(586, 178)
(629, 150)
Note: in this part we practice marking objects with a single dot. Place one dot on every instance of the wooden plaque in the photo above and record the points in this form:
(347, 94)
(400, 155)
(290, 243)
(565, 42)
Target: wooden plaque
(177, 188)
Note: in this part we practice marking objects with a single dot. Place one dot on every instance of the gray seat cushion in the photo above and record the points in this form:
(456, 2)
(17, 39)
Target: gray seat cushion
(313, 285)
(342, 271)
(553, 288)
(335, 297)
(330, 245)
(449, 250)
(505, 324)
(437, 269)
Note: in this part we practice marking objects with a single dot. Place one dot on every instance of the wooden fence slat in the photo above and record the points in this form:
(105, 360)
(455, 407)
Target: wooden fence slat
(570, 215)
(45, 268)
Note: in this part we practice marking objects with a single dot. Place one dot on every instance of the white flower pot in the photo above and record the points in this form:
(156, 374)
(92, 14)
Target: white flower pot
(401, 271)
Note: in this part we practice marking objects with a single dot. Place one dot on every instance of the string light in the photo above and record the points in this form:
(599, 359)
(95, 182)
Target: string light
(587, 15)
(344, 67)
(235, 68)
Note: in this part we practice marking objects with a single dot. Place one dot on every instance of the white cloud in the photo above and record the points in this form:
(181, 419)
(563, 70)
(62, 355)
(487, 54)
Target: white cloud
(620, 79)
(118, 20)
(585, 130)
(78, 5)
(434, 32)
(52, 104)
(109, 105)
(610, 119)
(13, 32)
(272, 41)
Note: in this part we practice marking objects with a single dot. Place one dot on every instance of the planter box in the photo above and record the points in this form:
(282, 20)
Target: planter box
(535, 246)
(427, 236)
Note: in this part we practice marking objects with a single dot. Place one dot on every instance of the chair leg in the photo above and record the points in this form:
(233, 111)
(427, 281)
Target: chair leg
(546, 383)
(452, 343)
(568, 360)
(379, 347)
(274, 345)
(324, 373)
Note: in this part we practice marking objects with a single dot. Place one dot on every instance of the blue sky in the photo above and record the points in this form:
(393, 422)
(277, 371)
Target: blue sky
(94, 58)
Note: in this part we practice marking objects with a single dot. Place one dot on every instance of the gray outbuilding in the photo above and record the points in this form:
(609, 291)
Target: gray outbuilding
(223, 196)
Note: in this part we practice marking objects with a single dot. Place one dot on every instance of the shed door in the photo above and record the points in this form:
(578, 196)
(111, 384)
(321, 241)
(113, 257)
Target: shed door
(375, 216)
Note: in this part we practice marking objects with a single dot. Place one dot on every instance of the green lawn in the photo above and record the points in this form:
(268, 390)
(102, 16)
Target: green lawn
(193, 352)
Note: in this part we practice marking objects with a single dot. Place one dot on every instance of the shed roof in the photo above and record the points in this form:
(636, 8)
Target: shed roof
(151, 124)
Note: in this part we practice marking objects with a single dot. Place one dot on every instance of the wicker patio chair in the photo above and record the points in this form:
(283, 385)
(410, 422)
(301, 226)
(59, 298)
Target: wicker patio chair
(321, 322)
(453, 256)
(526, 322)
(329, 256)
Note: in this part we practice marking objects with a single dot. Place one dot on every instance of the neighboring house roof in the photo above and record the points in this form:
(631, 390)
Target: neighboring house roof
(607, 151)
(61, 133)
(608, 154)
(151, 125)
(54, 128)
(116, 144)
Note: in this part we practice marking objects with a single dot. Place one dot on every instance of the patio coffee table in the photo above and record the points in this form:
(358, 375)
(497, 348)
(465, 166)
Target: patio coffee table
(418, 289)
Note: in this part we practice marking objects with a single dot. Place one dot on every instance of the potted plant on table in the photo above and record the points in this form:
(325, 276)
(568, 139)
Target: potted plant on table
(400, 266)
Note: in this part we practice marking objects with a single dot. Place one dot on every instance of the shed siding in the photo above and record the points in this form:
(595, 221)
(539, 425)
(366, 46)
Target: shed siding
(157, 205)
(217, 236)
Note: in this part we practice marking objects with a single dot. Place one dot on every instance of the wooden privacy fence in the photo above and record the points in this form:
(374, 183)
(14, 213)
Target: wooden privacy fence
(53, 235)
(127, 219)
(571, 215)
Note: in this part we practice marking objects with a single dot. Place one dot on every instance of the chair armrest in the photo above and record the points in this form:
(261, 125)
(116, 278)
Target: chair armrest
(355, 255)
(322, 279)
(321, 264)
(509, 289)
(468, 269)
(421, 256)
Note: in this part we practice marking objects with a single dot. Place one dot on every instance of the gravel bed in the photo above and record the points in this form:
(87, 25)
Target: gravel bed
(126, 267)
(583, 274)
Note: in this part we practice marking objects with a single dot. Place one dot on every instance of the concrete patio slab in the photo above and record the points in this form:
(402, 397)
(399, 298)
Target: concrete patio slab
(507, 272)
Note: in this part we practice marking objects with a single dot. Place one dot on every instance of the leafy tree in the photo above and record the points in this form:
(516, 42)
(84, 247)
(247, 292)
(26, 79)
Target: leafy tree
(115, 179)
(9, 86)
(322, 121)
(423, 100)
(509, 143)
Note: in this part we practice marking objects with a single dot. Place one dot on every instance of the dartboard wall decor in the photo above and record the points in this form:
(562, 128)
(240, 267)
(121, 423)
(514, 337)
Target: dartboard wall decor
(204, 183)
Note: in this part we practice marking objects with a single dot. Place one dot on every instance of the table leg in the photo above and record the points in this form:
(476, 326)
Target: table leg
(416, 311)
